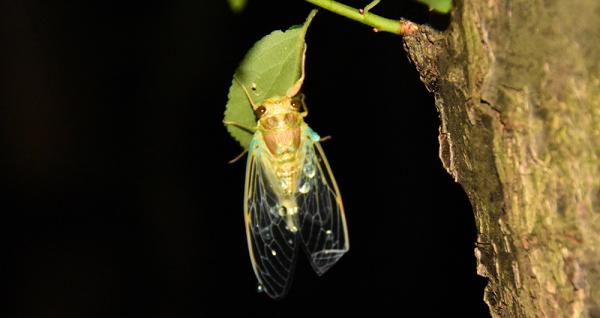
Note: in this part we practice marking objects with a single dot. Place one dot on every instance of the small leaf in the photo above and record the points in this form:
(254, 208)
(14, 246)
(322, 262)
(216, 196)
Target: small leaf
(237, 6)
(268, 70)
(442, 6)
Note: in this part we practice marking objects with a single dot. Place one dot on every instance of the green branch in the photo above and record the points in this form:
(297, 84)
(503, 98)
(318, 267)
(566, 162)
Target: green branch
(363, 16)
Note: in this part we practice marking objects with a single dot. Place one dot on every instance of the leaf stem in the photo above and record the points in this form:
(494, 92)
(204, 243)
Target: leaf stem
(363, 16)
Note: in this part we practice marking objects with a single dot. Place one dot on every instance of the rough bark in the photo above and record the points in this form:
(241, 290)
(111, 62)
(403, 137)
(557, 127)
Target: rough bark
(517, 87)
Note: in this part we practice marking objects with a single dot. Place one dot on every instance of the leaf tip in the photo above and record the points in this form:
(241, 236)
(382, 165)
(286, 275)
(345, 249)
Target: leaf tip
(441, 6)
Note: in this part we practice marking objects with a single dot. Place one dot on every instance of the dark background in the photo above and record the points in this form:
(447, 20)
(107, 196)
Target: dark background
(117, 199)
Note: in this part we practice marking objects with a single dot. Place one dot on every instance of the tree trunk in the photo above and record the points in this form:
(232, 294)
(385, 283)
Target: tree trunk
(517, 87)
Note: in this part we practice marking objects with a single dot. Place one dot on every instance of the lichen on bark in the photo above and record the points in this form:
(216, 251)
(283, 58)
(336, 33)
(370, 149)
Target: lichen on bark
(517, 88)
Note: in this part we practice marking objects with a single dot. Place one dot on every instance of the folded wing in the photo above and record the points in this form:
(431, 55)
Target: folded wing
(322, 220)
(272, 246)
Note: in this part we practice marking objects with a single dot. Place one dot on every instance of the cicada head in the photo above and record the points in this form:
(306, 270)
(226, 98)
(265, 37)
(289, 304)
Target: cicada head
(279, 119)
(279, 113)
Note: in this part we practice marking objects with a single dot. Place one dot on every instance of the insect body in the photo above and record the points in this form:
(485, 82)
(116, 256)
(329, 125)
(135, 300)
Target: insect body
(291, 198)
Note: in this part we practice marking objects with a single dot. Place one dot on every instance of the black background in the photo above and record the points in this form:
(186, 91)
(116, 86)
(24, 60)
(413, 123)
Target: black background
(117, 199)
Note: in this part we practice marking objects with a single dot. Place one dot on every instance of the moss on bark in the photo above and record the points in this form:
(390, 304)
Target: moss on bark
(517, 87)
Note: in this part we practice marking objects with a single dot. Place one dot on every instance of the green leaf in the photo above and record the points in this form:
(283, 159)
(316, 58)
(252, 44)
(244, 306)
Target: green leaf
(268, 70)
(237, 6)
(442, 6)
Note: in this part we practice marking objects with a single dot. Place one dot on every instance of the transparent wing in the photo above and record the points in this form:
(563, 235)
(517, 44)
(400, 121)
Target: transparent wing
(322, 220)
(272, 247)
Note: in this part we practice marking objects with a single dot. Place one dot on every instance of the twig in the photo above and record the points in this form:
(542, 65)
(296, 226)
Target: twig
(399, 27)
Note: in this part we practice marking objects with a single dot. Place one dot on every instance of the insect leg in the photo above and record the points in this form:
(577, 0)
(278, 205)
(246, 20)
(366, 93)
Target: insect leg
(240, 156)
(246, 92)
(249, 129)
(325, 138)
(304, 112)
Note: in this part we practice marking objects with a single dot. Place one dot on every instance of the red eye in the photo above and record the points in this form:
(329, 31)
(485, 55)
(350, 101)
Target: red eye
(259, 111)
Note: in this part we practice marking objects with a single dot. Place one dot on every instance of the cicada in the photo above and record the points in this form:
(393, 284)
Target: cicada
(291, 198)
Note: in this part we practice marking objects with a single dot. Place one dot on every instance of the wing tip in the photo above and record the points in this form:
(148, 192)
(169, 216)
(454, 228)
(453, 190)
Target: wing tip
(279, 294)
(322, 261)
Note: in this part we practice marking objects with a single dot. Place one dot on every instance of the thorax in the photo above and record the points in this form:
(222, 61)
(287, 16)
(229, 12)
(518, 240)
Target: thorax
(282, 132)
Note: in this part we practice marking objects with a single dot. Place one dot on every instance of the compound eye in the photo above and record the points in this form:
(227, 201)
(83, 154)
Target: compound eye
(260, 111)
(296, 104)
